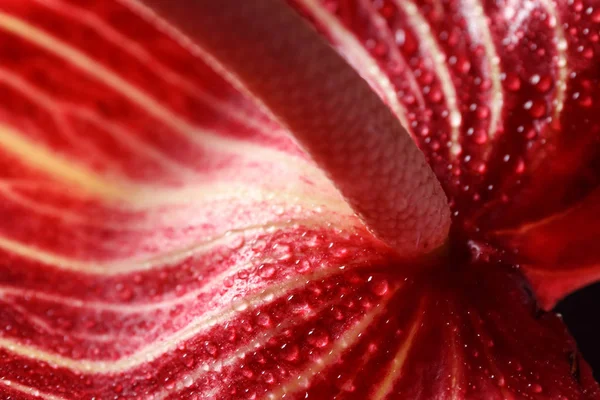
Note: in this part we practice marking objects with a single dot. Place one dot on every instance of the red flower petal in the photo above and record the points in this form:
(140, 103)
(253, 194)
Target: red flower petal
(559, 253)
(499, 95)
(164, 238)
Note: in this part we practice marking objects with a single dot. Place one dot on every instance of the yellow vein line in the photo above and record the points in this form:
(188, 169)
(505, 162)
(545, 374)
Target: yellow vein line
(561, 53)
(241, 352)
(480, 31)
(132, 141)
(59, 111)
(359, 58)
(429, 44)
(29, 390)
(397, 364)
(383, 28)
(168, 259)
(202, 136)
(454, 355)
(141, 54)
(163, 345)
(195, 134)
(40, 322)
(70, 54)
(347, 340)
(507, 395)
(41, 158)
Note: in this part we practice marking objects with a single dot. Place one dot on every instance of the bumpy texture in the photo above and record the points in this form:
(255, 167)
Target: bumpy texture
(332, 113)
(163, 237)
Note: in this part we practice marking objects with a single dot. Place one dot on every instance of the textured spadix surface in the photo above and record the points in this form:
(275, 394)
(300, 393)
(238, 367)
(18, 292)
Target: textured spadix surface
(162, 236)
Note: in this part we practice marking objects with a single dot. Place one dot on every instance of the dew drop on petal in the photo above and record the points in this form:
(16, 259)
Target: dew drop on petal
(480, 136)
(187, 381)
(513, 82)
(318, 338)
(266, 271)
(536, 388)
(379, 287)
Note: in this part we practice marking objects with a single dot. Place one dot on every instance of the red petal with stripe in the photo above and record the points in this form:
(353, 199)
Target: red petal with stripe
(164, 238)
(501, 98)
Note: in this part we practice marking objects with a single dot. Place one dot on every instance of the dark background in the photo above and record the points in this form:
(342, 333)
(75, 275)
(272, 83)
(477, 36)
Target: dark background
(581, 312)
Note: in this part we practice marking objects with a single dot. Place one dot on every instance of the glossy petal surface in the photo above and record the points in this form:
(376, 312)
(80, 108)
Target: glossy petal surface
(502, 98)
(164, 238)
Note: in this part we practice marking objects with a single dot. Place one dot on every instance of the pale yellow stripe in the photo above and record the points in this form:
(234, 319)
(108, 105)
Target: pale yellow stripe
(480, 32)
(28, 390)
(397, 364)
(347, 340)
(238, 355)
(195, 134)
(140, 53)
(163, 260)
(134, 142)
(169, 343)
(59, 111)
(41, 158)
(561, 55)
(439, 65)
(456, 370)
(395, 55)
(75, 57)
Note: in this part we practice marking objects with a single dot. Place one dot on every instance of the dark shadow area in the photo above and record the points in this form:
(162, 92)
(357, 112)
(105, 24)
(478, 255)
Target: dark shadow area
(581, 313)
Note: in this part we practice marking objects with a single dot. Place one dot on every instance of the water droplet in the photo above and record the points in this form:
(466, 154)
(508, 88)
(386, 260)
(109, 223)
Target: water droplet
(187, 381)
(379, 287)
(188, 360)
(534, 80)
(266, 271)
(268, 377)
(302, 266)
(238, 303)
(513, 82)
(520, 166)
(318, 338)
(126, 294)
(263, 320)
(483, 112)
(236, 242)
(290, 352)
(543, 84)
(480, 136)
(536, 388)
(479, 167)
(436, 95)
(585, 101)
(282, 252)
(347, 386)
(211, 348)
(537, 108)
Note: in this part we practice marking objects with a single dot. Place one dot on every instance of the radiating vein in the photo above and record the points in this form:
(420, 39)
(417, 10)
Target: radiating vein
(348, 339)
(480, 30)
(430, 45)
(397, 364)
(166, 344)
(28, 390)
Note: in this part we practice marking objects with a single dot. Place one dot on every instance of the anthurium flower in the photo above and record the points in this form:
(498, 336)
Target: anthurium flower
(204, 200)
